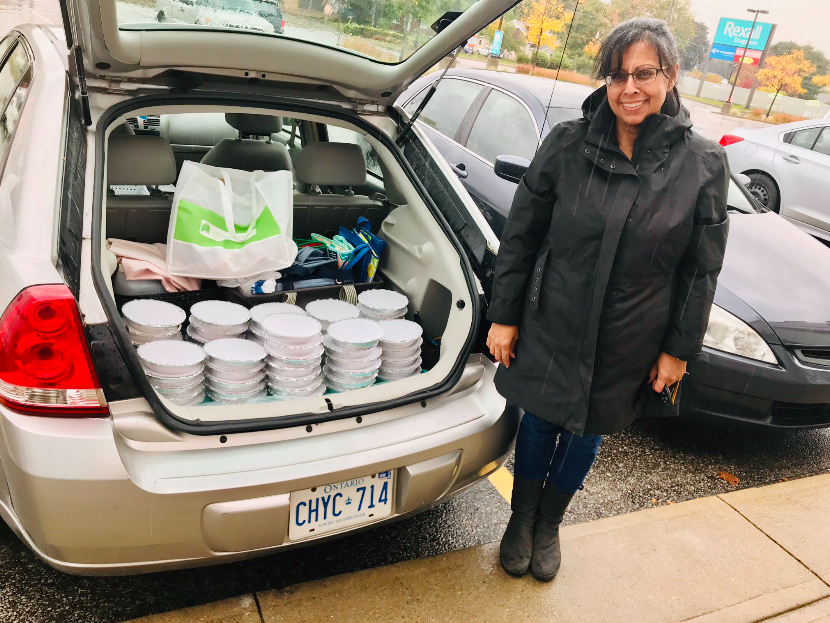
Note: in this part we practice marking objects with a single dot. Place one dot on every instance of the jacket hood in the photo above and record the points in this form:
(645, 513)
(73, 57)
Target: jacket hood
(665, 127)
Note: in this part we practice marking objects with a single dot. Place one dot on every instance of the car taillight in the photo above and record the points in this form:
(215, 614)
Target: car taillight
(729, 139)
(45, 364)
(282, 24)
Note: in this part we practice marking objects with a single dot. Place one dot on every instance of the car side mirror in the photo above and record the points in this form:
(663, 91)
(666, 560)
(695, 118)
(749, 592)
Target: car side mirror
(511, 168)
(745, 180)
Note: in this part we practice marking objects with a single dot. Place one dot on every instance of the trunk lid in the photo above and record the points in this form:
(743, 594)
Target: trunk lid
(154, 41)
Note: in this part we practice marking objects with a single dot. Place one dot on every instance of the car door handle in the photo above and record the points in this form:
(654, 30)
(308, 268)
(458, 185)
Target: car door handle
(792, 159)
(460, 169)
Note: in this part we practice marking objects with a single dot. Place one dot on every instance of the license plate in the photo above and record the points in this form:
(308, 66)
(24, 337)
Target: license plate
(329, 508)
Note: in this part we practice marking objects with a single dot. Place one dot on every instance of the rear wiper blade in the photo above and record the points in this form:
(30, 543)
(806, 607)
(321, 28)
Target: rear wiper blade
(426, 99)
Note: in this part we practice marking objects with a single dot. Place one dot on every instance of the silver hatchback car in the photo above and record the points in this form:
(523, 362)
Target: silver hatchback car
(100, 473)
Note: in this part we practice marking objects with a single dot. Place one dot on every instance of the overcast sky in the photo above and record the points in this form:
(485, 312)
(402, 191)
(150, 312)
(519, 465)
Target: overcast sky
(802, 21)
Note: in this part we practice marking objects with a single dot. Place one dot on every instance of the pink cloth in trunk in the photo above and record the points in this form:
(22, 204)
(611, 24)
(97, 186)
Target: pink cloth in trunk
(148, 261)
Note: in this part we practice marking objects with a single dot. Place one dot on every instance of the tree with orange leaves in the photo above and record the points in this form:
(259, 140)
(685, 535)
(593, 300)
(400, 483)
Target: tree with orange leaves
(784, 73)
(544, 19)
(822, 81)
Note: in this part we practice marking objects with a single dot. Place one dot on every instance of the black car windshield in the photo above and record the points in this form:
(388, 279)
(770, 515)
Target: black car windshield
(558, 115)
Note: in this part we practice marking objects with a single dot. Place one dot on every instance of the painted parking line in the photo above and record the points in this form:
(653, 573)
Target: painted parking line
(502, 480)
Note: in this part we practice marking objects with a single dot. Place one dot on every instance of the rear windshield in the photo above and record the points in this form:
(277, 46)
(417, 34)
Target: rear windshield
(388, 31)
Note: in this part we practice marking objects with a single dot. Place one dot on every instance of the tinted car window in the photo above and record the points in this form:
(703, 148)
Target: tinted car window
(805, 138)
(448, 107)
(503, 127)
(15, 81)
(823, 143)
(558, 115)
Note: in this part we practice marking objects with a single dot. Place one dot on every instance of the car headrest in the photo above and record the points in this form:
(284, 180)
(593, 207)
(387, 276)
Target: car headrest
(137, 160)
(124, 128)
(331, 164)
(260, 125)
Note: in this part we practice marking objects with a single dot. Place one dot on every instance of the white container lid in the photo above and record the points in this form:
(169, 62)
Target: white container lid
(160, 334)
(159, 380)
(291, 328)
(296, 359)
(236, 352)
(355, 333)
(402, 364)
(399, 332)
(392, 349)
(235, 399)
(188, 401)
(172, 355)
(196, 337)
(331, 310)
(208, 336)
(292, 372)
(153, 314)
(263, 310)
(372, 314)
(348, 376)
(219, 314)
(138, 340)
(383, 300)
(394, 375)
(284, 382)
(308, 392)
(353, 365)
(236, 387)
(341, 387)
(180, 392)
(339, 352)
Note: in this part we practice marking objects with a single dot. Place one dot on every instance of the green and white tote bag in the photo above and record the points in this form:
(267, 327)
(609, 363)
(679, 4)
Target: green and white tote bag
(230, 224)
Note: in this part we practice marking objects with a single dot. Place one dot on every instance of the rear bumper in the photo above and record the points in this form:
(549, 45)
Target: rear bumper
(733, 392)
(89, 501)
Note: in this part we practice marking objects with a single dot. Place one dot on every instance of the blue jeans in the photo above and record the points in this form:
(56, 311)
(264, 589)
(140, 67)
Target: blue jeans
(538, 454)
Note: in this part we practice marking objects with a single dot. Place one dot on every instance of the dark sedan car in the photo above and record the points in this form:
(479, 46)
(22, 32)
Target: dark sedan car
(766, 355)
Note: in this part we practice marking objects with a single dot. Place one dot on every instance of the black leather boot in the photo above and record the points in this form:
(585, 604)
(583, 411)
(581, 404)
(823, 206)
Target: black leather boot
(544, 563)
(517, 542)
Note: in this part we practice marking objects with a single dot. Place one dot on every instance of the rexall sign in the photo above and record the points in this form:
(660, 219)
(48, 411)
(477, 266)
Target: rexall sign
(735, 32)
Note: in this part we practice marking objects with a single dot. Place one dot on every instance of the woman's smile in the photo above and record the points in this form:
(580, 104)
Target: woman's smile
(633, 106)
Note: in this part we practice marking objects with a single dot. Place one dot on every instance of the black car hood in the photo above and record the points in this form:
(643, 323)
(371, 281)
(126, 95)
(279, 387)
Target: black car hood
(782, 273)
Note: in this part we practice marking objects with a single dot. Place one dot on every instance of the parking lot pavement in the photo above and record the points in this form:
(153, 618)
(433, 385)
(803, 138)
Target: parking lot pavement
(652, 464)
(734, 558)
(710, 123)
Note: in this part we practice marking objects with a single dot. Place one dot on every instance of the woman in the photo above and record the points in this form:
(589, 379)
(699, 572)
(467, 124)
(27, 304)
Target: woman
(605, 278)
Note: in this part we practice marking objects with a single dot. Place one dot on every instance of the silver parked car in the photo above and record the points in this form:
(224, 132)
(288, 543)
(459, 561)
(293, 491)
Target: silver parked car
(99, 472)
(788, 166)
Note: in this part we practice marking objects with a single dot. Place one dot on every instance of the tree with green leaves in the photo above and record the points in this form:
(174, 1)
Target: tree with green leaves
(676, 13)
(695, 53)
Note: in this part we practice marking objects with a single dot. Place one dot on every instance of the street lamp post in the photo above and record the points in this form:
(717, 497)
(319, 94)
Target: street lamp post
(727, 105)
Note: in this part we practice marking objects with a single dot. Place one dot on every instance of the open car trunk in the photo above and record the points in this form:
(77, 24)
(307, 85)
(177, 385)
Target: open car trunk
(423, 258)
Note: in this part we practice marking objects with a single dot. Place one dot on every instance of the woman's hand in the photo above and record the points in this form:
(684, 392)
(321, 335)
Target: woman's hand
(501, 340)
(667, 371)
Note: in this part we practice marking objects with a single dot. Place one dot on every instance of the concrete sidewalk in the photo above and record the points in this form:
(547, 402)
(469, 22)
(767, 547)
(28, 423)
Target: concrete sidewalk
(753, 555)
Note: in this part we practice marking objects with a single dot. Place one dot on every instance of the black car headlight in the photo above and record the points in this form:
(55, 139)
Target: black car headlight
(730, 334)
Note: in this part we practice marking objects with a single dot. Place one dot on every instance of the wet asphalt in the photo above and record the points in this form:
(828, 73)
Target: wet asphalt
(652, 463)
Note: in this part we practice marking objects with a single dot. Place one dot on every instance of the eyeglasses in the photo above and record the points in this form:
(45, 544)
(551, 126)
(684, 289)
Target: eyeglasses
(642, 75)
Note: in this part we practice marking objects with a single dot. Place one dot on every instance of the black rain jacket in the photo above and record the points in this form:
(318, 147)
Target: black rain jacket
(606, 262)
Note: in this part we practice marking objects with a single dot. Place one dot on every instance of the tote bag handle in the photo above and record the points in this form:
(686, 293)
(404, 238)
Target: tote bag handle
(225, 191)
